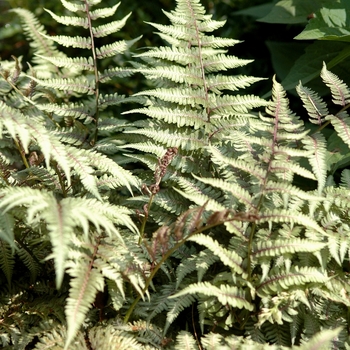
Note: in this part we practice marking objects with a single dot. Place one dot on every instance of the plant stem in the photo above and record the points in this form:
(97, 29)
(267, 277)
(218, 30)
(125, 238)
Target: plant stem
(22, 153)
(144, 221)
(97, 79)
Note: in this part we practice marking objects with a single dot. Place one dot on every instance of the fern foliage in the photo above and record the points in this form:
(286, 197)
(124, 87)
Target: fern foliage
(203, 217)
(56, 188)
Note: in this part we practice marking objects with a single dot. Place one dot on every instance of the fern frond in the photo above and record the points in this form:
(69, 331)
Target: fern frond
(236, 105)
(85, 283)
(340, 91)
(174, 73)
(345, 178)
(72, 6)
(7, 260)
(117, 72)
(114, 100)
(229, 258)
(55, 338)
(110, 28)
(75, 135)
(104, 12)
(108, 337)
(315, 106)
(174, 308)
(70, 41)
(286, 188)
(179, 116)
(75, 110)
(288, 216)
(341, 124)
(185, 341)
(41, 43)
(105, 164)
(317, 144)
(178, 54)
(69, 20)
(222, 62)
(113, 49)
(237, 191)
(80, 63)
(30, 260)
(79, 85)
(217, 83)
(14, 122)
(322, 340)
(183, 96)
(173, 137)
(6, 230)
(285, 246)
(226, 294)
(294, 277)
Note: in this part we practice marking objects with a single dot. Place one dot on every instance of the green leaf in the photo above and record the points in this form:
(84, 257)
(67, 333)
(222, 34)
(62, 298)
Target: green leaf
(308, 66)
(284, 55)
(256, 11)
(292, 11)
(331, 22)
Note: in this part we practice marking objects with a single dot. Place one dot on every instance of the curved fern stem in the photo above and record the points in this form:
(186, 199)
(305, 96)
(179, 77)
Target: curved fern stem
(144, 221)
(22, 153)
(205, 88)
(94, 57)
(250, 249)
(61, 181)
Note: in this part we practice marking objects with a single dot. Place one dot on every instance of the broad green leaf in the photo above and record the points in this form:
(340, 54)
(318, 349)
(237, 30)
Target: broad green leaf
(284, 55)
(309, 65)
(257, 11)
(331, 22)
(292, 11)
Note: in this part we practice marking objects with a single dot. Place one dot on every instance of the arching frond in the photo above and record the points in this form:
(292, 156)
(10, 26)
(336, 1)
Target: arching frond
(41, 43)
(340, 91)
(341, 123)
(317, 144)
(85, 283)
(296, 276)
(278, 247)
(315, 106)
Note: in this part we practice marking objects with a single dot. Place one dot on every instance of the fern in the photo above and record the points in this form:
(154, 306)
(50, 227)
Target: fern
(237, 235)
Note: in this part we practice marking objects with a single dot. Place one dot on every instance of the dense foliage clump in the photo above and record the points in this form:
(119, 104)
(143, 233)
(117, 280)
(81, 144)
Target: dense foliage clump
(186, 212)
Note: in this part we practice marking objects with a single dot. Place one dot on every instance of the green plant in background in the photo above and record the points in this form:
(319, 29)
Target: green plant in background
(326, 23)
(236, 235)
